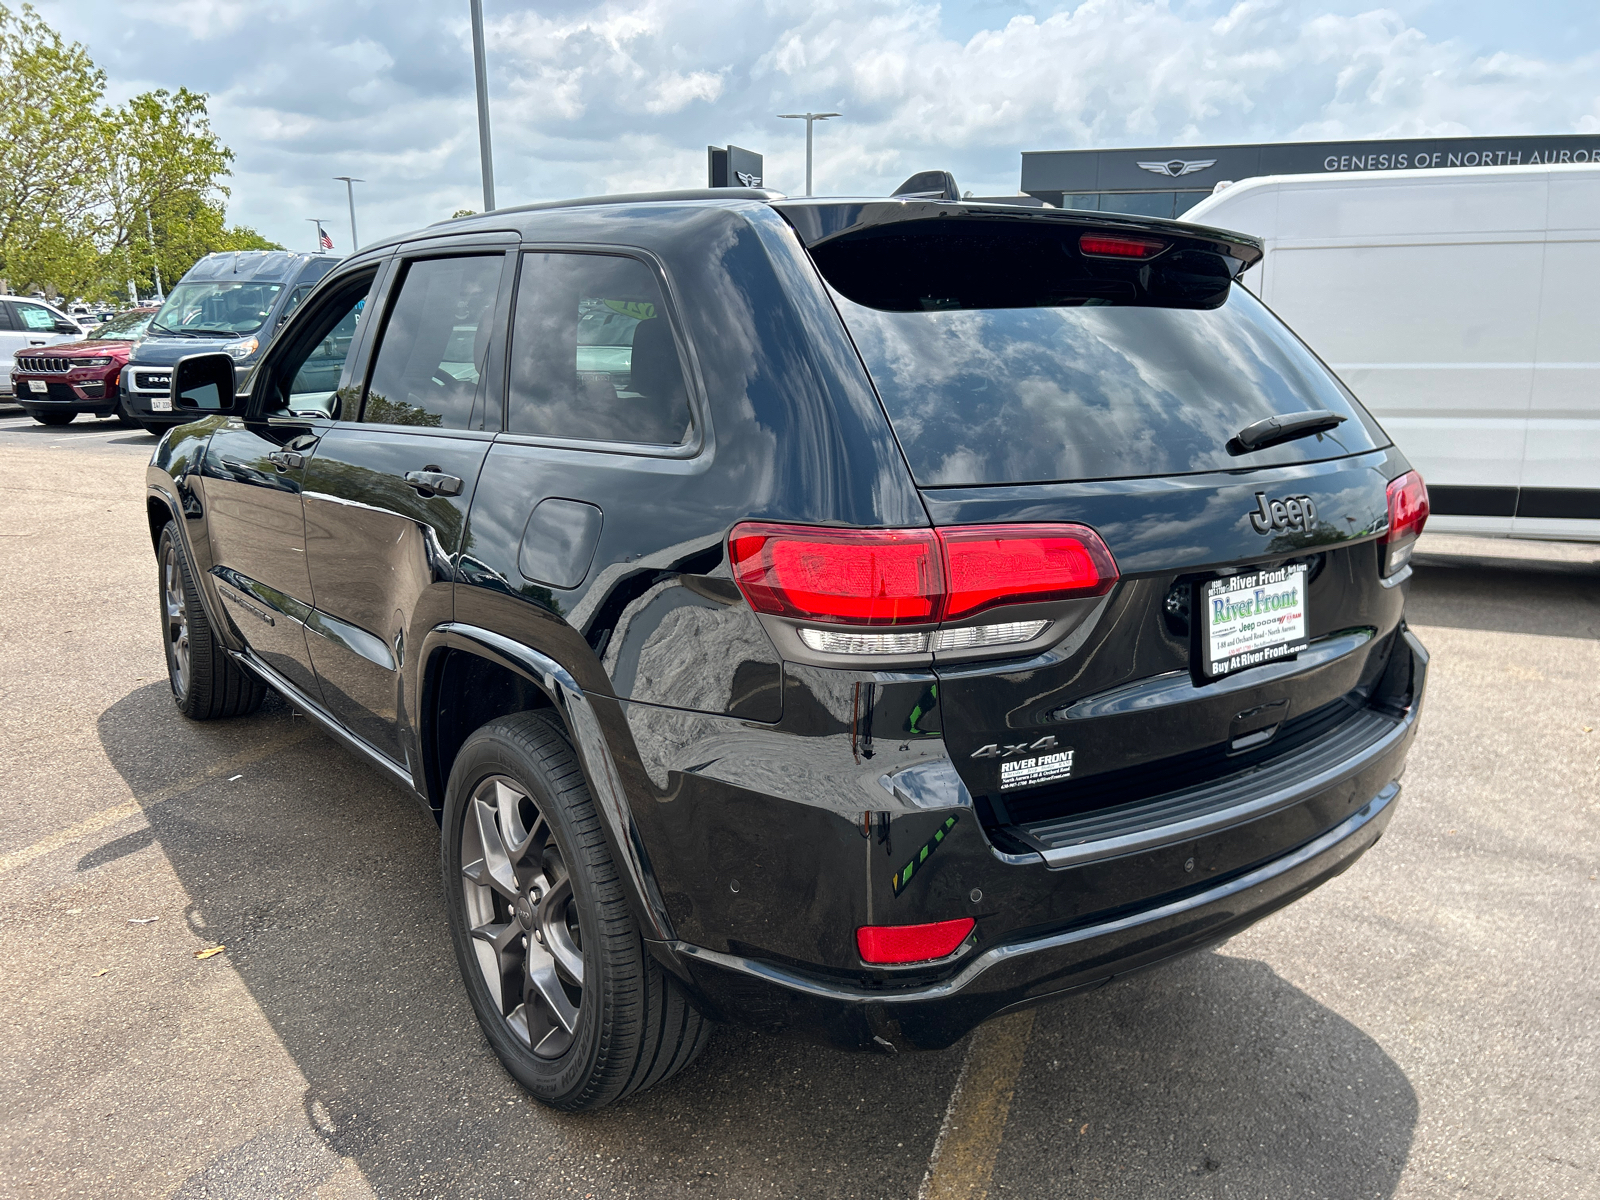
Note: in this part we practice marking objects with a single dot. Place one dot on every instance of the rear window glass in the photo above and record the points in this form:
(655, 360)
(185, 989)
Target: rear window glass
(1088, 387)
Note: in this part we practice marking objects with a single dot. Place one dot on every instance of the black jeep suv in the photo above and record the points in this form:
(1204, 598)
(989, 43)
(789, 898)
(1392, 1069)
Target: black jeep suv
(849, 617)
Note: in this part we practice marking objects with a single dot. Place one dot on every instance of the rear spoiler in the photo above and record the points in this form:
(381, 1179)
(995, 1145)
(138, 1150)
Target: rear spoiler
(819, 222)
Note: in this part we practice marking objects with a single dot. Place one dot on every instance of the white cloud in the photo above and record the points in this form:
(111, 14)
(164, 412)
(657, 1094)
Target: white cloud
(595, 97)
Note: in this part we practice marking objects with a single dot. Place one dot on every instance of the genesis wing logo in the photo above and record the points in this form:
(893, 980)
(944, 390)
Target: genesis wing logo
(1178, 166)
(748, 180)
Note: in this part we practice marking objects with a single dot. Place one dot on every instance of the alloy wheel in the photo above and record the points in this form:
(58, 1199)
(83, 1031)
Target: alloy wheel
(176, 612)
(522, 916)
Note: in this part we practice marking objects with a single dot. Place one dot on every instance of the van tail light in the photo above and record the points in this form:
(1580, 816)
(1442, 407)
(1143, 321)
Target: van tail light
(1408, 513)
(911, 943)
(875, 577)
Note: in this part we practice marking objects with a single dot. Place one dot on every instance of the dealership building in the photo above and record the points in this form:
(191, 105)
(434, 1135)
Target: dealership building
(1167, 181)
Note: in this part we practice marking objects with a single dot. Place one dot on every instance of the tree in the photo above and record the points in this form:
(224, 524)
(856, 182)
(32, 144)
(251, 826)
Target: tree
(83, 186)
(50, 123)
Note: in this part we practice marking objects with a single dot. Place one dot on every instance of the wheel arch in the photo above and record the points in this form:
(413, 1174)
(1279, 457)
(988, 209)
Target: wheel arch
(512, 677)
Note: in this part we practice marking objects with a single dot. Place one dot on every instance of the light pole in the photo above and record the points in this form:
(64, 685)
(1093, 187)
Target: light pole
(317, 221)
(155, 267)
(480, 71)
(809, 118)
(350, 195)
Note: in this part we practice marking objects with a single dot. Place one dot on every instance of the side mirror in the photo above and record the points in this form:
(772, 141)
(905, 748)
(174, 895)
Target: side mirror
(68, 327)
(203, 383)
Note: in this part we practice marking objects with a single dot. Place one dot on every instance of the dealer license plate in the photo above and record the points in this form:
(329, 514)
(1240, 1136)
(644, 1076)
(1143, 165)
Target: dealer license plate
(1252, 619)
(160, 403)
(38, 385)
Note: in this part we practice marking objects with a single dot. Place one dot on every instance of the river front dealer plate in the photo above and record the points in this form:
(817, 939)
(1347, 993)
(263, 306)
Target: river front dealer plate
(1252, 619)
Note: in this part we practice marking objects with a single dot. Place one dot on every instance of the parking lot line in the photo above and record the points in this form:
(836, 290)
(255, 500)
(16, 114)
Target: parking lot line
(129, 808)
(963, 1157)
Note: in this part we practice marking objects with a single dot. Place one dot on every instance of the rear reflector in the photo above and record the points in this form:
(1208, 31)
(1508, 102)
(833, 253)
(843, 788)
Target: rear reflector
(1103, 245)
(1408, 513)
(911, 943)
(874, 577)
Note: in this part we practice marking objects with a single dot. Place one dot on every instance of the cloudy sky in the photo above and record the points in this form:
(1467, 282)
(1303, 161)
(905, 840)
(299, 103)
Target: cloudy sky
(602, 97)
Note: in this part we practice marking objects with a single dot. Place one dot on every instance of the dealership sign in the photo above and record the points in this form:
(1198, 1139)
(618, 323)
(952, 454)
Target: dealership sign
(1055, 175)
(1402, 161)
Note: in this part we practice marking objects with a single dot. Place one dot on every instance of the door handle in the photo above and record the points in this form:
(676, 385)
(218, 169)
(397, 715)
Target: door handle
(39, 342)
(286, 460)
(434, 482)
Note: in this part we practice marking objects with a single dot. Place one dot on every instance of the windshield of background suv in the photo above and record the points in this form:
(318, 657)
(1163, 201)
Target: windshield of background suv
(1096, 391)
(124, 327)
(220, 307)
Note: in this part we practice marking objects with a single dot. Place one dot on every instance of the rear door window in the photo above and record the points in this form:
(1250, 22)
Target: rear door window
(593, 354)
(1071, 372)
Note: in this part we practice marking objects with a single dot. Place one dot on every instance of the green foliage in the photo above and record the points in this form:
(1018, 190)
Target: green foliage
(83, 186)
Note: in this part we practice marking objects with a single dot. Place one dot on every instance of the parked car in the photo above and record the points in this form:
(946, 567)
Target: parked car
(25, 322)
(231, 301)
(922, 609)
(1461, 306)
(55, 384)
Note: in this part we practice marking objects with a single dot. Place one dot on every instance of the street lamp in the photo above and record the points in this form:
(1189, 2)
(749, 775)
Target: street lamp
(350, 195)
(480, 71)
(808, 118)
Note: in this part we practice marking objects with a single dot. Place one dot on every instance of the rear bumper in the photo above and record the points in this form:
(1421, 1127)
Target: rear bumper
(1019, 973)
(1267, 850)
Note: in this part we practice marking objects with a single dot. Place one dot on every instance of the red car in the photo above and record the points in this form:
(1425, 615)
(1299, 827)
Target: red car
(56, 383)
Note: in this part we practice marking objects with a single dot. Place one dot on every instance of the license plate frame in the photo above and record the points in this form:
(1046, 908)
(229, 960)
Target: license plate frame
(1264, 618)
(38, 385)
(160, 403)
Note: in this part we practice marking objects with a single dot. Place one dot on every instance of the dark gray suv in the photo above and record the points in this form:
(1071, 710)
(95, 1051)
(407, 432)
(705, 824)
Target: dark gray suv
(232, 301)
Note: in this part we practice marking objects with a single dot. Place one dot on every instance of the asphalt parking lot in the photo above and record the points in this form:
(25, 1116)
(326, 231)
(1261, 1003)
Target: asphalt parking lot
(1425, 1025)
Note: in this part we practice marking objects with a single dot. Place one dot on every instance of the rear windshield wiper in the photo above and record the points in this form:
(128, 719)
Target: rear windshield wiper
(1269, 431)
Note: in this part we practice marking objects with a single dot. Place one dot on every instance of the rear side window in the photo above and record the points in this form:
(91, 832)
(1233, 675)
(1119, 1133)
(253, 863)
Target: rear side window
(1059, 368)
(435, 345)
(592, 352)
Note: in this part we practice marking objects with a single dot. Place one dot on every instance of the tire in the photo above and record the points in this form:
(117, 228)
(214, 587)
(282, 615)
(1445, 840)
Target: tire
(602, 1020)
(54, 418)
(206, 683)
(125, 418)
(156, 428)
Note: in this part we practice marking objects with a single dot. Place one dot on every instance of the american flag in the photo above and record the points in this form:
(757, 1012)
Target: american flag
(324, 239)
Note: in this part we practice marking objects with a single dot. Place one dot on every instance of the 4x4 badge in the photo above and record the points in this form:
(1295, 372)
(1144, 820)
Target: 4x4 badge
(1012, 749)
(1292, 512)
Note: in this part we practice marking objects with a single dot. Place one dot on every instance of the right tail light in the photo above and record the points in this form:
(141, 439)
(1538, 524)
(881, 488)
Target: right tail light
(1408, 513)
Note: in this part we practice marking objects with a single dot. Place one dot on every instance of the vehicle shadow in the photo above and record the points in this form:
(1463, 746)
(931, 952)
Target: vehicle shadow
(1506, 595)
(321, 878)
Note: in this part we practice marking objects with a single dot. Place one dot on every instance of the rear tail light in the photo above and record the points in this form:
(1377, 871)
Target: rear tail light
(1408, 513)
(991, 565)
(849, 577)
(912, 943)
(873, 577)
(1105, 245)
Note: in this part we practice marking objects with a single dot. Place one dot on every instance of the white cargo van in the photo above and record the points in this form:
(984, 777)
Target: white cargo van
(1463, 308)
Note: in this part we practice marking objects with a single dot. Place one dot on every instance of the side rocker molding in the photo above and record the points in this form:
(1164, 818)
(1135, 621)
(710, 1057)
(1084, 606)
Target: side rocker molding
(593, 754)
(330, 724)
